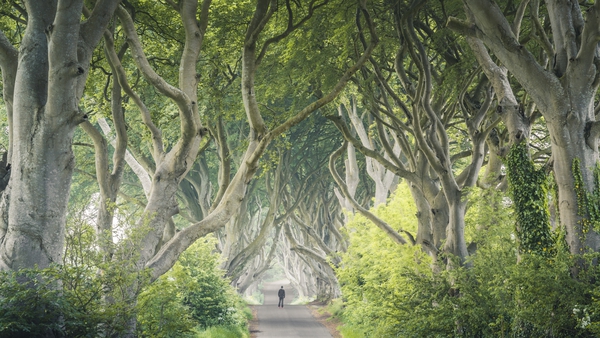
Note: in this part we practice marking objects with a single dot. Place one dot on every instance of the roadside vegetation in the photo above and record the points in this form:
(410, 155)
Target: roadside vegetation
(191, 300)
(398, 291)
(432, 166)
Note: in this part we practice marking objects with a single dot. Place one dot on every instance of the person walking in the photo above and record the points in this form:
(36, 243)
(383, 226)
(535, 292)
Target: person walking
(281, 295)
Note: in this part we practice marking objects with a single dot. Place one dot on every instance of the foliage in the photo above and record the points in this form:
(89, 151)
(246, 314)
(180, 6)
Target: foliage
(161, 312)
(529, 191)
(39, 307)
(212, 301)
(30, 308)
(83, 297)
(87, 297)
(391, 290)
(587, 202)
(229, 331)
(369, 275)
(192, 294)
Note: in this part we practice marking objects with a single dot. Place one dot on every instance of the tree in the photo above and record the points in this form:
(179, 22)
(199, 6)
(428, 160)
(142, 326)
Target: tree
(415, 118)
(43, 83)
(170, 164)
(563, 90)
(260, 136)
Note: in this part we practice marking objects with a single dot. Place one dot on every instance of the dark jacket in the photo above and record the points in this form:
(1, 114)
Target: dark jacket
(281, 293)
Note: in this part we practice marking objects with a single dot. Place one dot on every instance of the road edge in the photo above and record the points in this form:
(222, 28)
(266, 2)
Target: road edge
(320, 314)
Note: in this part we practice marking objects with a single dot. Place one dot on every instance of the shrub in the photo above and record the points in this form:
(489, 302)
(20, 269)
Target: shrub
(390, 290)
(229, 331)
(193, 293)
(81, 298)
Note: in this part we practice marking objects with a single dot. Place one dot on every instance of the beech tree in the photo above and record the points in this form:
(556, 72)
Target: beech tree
(169, 161)
(260, 136)
(384, 179)
(43, 83)
(563, 82)
(416, 117)
(293, 197)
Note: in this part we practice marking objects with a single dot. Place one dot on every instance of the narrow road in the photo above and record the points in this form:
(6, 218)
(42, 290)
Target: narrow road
(291, 321)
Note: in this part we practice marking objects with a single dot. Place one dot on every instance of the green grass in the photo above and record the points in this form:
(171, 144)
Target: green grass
(301, 301)
(336, 307)
(256, 298)
(349, 332)
(224, 332)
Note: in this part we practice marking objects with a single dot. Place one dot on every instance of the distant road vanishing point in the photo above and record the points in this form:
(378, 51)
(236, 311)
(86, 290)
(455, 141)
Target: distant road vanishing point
(292, 321)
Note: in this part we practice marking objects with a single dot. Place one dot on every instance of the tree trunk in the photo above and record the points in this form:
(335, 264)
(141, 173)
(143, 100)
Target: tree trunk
(258, 141)
(49, 82)
(564, 95)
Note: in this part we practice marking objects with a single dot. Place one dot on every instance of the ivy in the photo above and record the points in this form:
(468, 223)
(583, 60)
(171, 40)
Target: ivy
(588, 203)
(529, 188)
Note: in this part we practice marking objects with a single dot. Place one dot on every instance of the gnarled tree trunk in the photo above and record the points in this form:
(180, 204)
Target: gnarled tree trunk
(51, 70)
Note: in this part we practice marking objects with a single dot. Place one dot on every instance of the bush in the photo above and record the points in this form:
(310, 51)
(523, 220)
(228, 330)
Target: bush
(87, 297)
(161, 312)
(390, 290)
(30, 308)
(33, 303)
(81, 298)
(192, 294)
(372, 275)
(230, 331)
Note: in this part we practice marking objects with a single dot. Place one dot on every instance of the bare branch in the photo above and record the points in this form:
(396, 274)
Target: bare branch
(371, 153)
(133, 163)
(495, 31)
(178, 96)
(158, 147)
(224, 160)
(376, 220)
(93, 28)
(101, 154)
(295, 246)
(589, 40)
(516, 25)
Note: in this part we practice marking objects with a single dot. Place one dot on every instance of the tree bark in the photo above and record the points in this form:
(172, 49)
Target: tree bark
(564, 96)
(259, 139)
(53, 64)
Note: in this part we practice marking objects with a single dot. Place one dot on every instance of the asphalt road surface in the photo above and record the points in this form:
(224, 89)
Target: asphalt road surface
(291, 321)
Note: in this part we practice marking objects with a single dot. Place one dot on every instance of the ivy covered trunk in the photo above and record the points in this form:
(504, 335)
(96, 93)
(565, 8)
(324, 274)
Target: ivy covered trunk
(529, 194)
(563, 92)
(573, 157)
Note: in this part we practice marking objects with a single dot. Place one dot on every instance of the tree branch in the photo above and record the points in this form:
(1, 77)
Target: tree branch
(224, 160)
(290, 26)
(135, 166)
(593, 134)
(8, 53)
(93, 28)
(494, 30)
(121, 76)
(297, 247)
(179, 97)
(376, 220)
(410, 176)
(589, 40)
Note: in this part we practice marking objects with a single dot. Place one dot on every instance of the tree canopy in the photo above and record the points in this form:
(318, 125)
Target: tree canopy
(288, 129)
